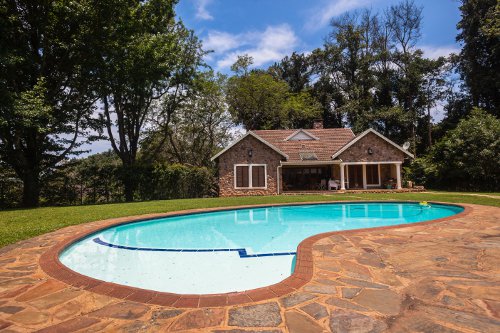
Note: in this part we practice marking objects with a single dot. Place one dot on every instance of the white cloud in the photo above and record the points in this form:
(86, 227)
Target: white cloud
(272, 44)
(202, 11)
(320, 16)
(435, 52)
(220, 41)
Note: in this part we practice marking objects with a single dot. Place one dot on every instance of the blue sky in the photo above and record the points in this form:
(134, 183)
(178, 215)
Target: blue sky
(271, 29)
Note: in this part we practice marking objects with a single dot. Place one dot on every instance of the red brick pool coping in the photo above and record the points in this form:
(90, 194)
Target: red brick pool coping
(303, 273)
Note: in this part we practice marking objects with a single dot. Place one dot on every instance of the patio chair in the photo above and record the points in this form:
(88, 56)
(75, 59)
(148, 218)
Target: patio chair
(332, 184)
(322, 185)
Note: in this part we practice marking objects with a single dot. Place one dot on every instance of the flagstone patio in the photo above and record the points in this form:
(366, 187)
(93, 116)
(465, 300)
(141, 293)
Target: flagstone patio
(433, 277)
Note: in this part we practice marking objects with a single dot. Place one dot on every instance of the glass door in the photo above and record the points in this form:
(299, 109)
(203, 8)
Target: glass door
(355, 176)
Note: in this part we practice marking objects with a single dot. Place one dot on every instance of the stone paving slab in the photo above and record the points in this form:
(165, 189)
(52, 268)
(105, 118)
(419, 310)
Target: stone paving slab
(441, 277)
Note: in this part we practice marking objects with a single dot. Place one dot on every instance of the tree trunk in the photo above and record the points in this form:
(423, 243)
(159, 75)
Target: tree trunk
(129, 181)
(413, 126)
(429, 126)
(31, 189)
(414, 138)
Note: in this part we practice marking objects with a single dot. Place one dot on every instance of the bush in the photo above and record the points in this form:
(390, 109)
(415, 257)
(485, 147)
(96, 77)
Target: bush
(466, 158)
(422, 172)
(176, 181)
(98, 179)
(11, 188)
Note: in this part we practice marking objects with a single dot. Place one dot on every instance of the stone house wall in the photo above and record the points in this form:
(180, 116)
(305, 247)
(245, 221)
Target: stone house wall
(382, 151)
(238, 154)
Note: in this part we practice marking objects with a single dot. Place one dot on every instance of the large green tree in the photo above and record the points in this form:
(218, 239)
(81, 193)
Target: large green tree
(347, 61)
(256, 100)
(404, 21)
(259, 100)
(46, 86)
(479, 60)
(144, 55)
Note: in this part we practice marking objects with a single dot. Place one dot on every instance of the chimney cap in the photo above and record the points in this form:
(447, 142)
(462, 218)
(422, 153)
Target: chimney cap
(318, 124)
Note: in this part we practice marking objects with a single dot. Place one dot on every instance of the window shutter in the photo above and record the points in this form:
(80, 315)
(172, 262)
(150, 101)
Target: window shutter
(258, 176)
(242, 176)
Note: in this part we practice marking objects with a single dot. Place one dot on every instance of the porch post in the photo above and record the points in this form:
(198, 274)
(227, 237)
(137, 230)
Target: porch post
(342, 180)
(278, 178)
(364, 176)
(398, 176)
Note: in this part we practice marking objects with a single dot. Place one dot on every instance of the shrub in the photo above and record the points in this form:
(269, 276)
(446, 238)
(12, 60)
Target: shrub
(466, 158)
(99, 180)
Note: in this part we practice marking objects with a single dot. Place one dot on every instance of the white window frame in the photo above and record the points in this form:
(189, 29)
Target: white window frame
(250, 167)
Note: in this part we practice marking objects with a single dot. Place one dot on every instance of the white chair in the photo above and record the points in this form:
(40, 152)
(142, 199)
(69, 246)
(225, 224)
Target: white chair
(332, 184)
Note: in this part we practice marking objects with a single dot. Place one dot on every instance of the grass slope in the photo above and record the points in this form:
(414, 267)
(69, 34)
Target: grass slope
(19, 224)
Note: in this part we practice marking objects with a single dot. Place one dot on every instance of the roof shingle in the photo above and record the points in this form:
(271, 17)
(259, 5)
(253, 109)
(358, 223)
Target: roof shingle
(330, 141)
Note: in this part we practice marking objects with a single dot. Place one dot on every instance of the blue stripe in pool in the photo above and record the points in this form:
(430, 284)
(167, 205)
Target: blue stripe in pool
(242, 252)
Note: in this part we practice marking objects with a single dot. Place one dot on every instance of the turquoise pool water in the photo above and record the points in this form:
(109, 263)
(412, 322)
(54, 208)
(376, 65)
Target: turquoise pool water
(226, 251)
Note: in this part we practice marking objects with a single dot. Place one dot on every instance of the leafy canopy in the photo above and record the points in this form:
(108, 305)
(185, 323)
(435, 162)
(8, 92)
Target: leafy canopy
(258, 100)
(46, 86)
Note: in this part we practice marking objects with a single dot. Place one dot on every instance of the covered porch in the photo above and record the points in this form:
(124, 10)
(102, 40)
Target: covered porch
(370, 175)
(315, 176)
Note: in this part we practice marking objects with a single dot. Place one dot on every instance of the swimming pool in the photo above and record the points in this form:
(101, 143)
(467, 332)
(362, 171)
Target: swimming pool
(229, 250)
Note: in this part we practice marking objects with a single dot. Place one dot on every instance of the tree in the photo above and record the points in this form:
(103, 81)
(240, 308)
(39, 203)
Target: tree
(257, 100)
(345, 69)
(300, 110)
(144, 56)
(324, 90)
(45, 86)
(294, 70)
(242, 65)
(353, 39)
(434, 89)
(458, 104)
(404, 21)
(196, 132)
(479, 59)
(467, 157)
(10, 187)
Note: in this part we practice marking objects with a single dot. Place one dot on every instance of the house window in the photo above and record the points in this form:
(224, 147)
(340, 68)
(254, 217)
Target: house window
(372, 176)
(258, 176)
(250, 176)
(242, 176)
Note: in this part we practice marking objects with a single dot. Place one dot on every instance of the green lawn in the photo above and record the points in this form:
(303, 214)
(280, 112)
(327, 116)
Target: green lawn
(19, 224)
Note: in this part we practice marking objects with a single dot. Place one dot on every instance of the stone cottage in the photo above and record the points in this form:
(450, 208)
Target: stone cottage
(265, 162)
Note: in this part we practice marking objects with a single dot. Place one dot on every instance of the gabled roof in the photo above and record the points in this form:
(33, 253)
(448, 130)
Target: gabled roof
(327, 144)
(303, 133)
(256, 137)
(370, 130)
(328, 141)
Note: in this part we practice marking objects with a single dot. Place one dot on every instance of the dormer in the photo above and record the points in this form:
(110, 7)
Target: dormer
(301, 135)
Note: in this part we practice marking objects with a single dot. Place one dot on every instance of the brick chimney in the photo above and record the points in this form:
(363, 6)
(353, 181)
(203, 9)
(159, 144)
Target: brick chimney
(318, 124)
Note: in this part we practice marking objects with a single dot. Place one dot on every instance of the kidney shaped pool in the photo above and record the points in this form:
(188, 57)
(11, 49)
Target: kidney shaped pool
(226, 251)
